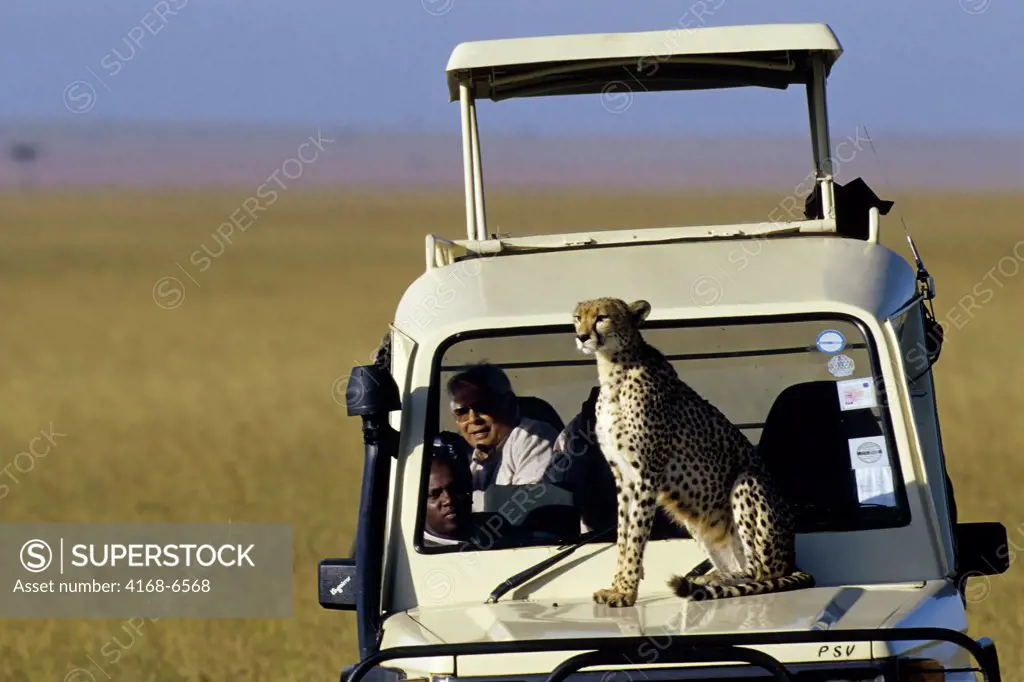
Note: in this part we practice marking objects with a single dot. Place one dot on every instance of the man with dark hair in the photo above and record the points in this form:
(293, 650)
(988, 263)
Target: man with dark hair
(447, 520)
(508, 448)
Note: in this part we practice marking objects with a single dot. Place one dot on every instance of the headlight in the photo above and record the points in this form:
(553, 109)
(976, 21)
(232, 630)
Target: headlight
(921, 670)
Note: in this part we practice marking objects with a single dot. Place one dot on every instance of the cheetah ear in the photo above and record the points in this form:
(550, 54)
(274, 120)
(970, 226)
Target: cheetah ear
(639, 310)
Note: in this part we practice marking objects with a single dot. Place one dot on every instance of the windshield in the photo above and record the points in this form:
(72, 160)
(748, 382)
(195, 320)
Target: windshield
(514, 460)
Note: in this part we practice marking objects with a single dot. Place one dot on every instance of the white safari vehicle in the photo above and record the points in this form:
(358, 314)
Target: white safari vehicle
(809, 334)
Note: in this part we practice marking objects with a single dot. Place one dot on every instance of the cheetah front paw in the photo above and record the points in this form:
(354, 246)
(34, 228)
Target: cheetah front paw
(615, 598)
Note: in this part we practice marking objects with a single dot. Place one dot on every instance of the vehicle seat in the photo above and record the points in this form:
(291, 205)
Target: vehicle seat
(552, 523)
(541, 410)
(804, 442)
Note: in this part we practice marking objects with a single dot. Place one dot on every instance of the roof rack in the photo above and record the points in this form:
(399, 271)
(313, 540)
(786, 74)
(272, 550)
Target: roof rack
(776, 55)
(771, 55)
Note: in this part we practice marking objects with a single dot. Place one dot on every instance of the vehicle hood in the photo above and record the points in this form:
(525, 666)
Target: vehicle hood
(652, 619)
(818, 608)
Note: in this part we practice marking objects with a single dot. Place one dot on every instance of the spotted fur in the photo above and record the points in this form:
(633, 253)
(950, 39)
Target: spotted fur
(668, 446)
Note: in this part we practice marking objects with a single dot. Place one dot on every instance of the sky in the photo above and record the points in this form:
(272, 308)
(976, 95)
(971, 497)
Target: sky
(916, 66)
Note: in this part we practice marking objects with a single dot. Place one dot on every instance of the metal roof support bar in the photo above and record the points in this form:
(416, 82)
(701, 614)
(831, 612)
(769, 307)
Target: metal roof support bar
(818, 111)
(478, 175)
(466, 104)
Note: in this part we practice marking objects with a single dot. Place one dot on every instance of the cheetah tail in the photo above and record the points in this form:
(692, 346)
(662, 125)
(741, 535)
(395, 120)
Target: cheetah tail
(796, 580)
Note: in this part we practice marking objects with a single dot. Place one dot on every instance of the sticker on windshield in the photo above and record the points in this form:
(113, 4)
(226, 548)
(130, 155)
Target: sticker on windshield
(870, 462)
(830, 341)
(875, 487)
(875, 477)
(840, 366)
(856, 394)
(867, 453)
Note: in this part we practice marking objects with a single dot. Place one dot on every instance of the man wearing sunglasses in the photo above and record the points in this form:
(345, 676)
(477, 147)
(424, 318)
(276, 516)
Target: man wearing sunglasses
(508, 448)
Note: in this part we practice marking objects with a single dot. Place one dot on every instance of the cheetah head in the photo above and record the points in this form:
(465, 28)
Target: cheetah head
(605, 325)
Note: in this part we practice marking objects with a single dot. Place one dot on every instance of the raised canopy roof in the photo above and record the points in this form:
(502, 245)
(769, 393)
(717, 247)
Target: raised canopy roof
(770, 55)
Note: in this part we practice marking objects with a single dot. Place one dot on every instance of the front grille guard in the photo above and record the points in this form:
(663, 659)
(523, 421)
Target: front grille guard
(687, 649)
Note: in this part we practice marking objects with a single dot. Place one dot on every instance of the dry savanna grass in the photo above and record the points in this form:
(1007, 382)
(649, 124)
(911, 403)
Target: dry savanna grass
(222, 408)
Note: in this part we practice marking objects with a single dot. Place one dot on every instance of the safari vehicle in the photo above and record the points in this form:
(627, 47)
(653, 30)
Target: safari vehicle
(808, 333)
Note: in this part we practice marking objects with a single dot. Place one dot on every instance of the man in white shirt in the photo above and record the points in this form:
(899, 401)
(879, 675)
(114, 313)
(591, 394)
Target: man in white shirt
(508, 449)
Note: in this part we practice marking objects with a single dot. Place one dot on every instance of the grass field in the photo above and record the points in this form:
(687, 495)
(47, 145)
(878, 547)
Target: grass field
(222, 407)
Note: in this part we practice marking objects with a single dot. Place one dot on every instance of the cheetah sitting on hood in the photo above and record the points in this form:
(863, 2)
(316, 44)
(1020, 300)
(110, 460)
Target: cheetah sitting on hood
(667, 445)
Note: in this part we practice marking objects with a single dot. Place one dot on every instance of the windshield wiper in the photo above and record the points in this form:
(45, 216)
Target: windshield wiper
(527, 574)
(523, 576)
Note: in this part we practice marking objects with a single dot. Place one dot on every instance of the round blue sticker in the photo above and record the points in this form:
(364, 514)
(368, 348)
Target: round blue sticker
(830, 341)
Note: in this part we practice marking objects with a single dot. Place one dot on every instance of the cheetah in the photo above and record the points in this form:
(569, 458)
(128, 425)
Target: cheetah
(667, 445)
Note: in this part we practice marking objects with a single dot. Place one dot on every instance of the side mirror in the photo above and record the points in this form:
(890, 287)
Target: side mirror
(371, 391)
(337, 582)
(982, 549)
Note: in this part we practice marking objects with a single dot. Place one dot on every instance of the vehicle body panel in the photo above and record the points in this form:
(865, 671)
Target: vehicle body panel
(746, 276)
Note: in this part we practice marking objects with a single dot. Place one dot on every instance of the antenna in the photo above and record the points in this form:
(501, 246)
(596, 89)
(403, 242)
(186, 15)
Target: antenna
(926, 283)
(934, 332)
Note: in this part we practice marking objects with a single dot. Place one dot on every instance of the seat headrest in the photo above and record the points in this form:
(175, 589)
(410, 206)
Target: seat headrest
(540, 410)
(805, 444)
(810, 413)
